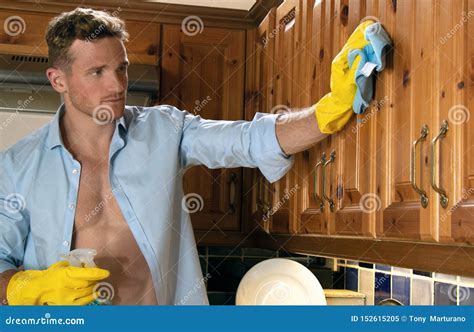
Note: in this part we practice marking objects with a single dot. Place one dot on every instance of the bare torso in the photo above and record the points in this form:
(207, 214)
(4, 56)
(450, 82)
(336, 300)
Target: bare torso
(99, 224)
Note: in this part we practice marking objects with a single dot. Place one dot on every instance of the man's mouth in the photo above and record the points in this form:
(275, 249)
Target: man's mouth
(113, 100)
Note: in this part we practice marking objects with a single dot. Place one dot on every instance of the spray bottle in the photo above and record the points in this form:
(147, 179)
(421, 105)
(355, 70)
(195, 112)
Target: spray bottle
(84, 257)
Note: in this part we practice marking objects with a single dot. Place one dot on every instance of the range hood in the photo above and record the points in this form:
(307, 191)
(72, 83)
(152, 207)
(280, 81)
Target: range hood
(23, 78)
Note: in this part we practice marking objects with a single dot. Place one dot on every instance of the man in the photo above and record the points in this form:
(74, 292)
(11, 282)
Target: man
(107, 176)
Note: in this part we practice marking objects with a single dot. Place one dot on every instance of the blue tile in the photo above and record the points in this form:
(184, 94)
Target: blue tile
(201, 250)
(381, 287)
(423, 273)
(401, 289)
(444, 293)
(221, 298)
(383, 267)
(366, 265)
(352, 279)
(224, 251)
(258, 252)
(466, 295)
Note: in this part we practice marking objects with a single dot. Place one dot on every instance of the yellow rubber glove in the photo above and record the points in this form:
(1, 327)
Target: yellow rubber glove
(335, 108)
(60, 284)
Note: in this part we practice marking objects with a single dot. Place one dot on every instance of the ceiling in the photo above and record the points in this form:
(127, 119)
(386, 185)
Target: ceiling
(230, 4)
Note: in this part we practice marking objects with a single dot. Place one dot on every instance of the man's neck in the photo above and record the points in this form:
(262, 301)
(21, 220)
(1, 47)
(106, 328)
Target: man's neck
(83, 137)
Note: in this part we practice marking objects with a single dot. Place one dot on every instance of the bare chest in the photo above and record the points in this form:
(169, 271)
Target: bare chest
(99, 224)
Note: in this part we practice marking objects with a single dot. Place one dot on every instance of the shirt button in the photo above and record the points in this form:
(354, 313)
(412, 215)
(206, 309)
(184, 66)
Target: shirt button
(71, 206)
(66, 243)
(75, 171)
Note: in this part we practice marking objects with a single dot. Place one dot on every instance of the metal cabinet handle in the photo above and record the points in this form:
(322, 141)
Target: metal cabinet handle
(443, 199)
(332, 156)
(259, 192)
(262, 203)
(423, 197)
(232, 188)
(315, 195)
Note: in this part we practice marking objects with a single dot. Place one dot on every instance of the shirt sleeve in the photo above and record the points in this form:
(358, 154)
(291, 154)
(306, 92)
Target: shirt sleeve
(13, 225)
(226, 144)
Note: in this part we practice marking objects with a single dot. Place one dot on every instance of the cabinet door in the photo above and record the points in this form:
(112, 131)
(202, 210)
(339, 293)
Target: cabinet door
(410, 94)
(352, 190)
(204, 74)
(144, 41)
(24, 33)
(311, 204)
(454, 162)
(259, 98)
(287, 90)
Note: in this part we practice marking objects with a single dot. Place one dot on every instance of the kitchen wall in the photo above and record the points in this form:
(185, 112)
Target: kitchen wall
(225, 267)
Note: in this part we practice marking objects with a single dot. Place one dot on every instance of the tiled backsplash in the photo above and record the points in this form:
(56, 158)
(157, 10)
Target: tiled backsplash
(410, 287)
(225, 267)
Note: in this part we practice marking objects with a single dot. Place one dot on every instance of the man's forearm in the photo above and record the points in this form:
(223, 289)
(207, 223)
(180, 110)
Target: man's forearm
(298, 130)
(4, 280)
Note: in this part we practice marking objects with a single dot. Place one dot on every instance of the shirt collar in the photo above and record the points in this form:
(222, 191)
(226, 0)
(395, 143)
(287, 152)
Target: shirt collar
(54, 138)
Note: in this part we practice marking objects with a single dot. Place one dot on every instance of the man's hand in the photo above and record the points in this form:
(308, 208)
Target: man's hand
(60, 284)
(298, 130)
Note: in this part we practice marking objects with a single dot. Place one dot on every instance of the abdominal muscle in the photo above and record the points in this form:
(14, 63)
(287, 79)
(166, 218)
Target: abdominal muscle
(99, 224)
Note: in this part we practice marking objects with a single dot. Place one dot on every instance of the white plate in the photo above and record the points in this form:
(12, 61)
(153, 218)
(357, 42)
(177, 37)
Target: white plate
(280, 281)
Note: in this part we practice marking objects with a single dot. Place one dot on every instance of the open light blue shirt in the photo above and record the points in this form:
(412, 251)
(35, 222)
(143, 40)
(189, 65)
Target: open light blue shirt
(150, 150)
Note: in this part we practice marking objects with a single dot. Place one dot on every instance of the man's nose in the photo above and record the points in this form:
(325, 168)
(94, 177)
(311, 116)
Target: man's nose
(117, 84)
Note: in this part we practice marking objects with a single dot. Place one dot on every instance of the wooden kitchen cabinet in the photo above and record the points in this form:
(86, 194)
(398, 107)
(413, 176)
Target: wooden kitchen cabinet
(260, 98)
(287, 97)
(408, 88)
(428, 92)
(338, 183)
(455, 104)
(389, 170)
(313, 205)
(204, 74)
(23, 33)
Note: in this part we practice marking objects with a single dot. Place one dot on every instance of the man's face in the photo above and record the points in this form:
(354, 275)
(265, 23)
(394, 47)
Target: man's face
(97, 81)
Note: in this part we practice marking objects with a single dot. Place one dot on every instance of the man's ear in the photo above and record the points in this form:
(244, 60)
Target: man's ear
(57, 79)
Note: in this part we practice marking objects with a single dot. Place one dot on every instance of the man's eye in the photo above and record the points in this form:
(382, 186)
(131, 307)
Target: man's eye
(98, 72)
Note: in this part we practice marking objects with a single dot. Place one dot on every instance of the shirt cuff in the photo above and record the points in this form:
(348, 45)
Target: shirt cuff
(5, 266)
(266, 151)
